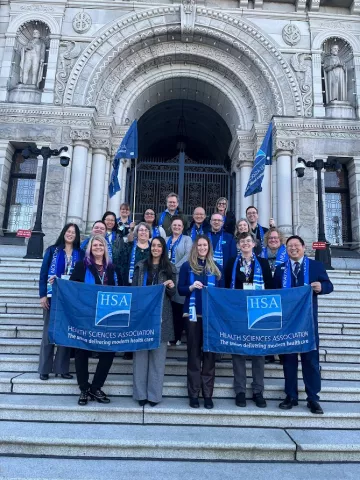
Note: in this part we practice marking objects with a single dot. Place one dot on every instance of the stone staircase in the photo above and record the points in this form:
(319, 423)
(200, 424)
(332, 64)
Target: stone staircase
(40, 418)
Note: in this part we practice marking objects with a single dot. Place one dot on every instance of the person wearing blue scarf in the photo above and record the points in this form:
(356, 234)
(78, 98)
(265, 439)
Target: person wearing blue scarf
(221, 206)
(97, 269)
(258, 230)
(59, 261)
(178, 247)
(199, 224)
(223, 244)
(247, 271)
(125, 224)
(299, 270)
(198, 272)
(150, 218)
(98, 228)
(172, 208)
(109, 218)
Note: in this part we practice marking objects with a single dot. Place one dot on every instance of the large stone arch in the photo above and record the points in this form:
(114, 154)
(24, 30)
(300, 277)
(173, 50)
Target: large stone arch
(235, 36)
(19, 20)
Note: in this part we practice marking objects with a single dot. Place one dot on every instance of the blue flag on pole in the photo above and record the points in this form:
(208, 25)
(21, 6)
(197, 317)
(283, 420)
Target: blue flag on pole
(104, 318)
(258, 322)
(263, 157)
(127, 149)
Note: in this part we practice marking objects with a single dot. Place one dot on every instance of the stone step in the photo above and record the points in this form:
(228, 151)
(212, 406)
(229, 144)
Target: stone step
(29, 289)
(27, 308)
(175, 386)
(20, 298)
(19, 319)
(175, 411)
(144, 441)
(4, 260)
(20, 269)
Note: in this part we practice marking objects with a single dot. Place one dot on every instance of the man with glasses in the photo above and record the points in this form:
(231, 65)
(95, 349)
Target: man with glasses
(299, 270)
(259, 231)
(199, 224)
(224, 245)
(172, 208)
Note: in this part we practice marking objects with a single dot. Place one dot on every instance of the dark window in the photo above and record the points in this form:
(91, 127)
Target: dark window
(21, 192)
(337, 201)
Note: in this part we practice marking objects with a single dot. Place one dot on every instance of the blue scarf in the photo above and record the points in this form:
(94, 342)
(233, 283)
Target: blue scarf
(195, 233)
(261, 232)
(192, 302)
(110, 239)
(163, 215)
(218, 251)
(286, 279)
(156, 232)
(172, 248)
(132, 260)
(58, 264)
(258, 279)
(90, 279)
(281, 255)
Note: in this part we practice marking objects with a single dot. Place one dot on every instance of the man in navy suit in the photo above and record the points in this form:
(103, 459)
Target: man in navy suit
(224, 245)
(299, 271)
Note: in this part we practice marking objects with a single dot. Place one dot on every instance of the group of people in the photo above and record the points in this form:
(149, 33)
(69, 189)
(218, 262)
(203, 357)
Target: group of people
(164, 249)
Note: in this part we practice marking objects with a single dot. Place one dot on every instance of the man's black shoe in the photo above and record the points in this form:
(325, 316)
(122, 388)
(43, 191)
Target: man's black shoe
(240, 400)
(270, 359)
(99, 395)
(208, 403)
(288, 403)
(315, 407)
(194, 402)
(259, 400)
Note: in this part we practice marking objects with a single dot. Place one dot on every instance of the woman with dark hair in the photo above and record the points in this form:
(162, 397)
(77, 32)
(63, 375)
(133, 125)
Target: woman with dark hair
(97, 269)
(59, 261)
(149, 365)
(109, 218)
(221, 207)
(150, 218)
(198, 272)
(178, 247)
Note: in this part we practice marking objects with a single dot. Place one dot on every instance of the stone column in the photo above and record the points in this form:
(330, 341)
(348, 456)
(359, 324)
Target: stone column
(245, 170)
(48, 93)
(264, 198)
(96, 195)
(319, 109)
(284, 185)
(78, 176)
(354, 186)
(6, 64)
(6, 156)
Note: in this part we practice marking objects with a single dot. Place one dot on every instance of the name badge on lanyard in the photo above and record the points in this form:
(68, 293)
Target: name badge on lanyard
(251, 286)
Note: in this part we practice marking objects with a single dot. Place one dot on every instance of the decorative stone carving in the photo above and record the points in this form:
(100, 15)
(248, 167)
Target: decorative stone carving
(37, 8)
(82, 22)
(291, 34)
(103, 143)
(188, 14)
(335, 76)
(301, 63)
(32, 60)
(300, 5)
(245, 158)
(285, 145)
(80, 135)
(66, 61)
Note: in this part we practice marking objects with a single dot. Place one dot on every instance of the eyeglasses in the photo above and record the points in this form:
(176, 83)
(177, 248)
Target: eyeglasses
(143, 230)
(274, 238)
(222, 203)
(217, 220)
(245, 242)
(150, 213)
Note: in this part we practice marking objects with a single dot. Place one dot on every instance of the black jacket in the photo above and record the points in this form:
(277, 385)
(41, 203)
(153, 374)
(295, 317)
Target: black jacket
(240, 278)
(78, 274)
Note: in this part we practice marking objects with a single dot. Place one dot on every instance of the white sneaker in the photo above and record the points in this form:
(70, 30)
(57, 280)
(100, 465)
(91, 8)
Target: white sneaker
(169, 344)
(178, 343)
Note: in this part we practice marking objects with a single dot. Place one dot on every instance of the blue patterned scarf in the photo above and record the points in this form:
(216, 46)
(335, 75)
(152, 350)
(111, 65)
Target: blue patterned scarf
(281, 255)
(192, 302)
(110, 239)
(156, 232)
(218, 251)
(286, 279)
(195, 232)
(172, 248)
(163, 215)
(132, 260)
(258, 279)
(58, 264)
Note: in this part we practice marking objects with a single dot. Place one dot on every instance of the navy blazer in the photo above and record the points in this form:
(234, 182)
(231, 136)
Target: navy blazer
(317, 273)
(184, 284)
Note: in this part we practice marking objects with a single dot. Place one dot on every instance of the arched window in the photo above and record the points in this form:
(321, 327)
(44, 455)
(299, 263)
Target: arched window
(337, 201)
(21, 193)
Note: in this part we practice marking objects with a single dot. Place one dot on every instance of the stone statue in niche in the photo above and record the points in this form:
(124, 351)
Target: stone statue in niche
(335, 76)
(32, 60)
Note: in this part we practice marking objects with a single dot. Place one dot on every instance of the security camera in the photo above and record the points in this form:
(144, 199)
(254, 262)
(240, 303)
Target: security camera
(64, 159)
(300, 169)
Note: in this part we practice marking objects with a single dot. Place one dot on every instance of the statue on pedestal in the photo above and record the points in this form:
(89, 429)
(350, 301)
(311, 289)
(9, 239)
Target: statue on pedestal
(32, 60)
(335, 77)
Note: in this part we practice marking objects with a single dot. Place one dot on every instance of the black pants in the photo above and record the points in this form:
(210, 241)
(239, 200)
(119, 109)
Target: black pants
(199, 376)
(178, 319)
(82, 369)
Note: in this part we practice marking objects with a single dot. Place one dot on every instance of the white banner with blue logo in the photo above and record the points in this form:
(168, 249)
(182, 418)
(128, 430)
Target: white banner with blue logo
(105, 319)
(258, 322)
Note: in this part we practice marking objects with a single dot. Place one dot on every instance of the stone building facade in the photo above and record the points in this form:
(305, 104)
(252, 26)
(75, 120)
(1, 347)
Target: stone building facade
(231, 65)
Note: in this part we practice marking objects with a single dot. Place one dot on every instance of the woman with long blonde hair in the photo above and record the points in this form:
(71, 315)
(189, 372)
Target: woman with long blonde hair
(222, 207)
(198, 272)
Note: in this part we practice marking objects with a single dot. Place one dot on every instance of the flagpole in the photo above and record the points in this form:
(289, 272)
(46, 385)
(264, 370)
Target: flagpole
(135, 181)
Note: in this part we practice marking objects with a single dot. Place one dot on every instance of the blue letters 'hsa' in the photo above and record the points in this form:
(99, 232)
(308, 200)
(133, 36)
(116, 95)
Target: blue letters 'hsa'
(113, 309)
(264, 313)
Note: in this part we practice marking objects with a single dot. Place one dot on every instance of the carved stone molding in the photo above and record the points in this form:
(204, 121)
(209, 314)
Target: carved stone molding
(355, 7)
(300, 5)
(285, 145)
(188, 14)
(301, 64)
(80, 135)
(291, 34)
(245, 159)
(188, 6)
(67, 57)
(36, 8)
(82, 22)
(102, 143)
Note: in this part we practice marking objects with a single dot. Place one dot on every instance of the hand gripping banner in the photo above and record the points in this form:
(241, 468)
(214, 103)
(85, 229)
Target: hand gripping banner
(258, 322)
(105, 319)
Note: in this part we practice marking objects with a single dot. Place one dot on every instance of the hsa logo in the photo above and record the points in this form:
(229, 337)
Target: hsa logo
(264, 313)
(113, 309)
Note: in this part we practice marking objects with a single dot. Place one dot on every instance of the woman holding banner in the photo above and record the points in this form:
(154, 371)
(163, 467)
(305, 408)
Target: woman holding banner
(200, 271)
(149, 365)
(248, 272)
(178, 247)
(97, 269)
(59, 261)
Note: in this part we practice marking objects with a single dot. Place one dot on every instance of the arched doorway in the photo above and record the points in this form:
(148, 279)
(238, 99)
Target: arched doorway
(183, 147)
